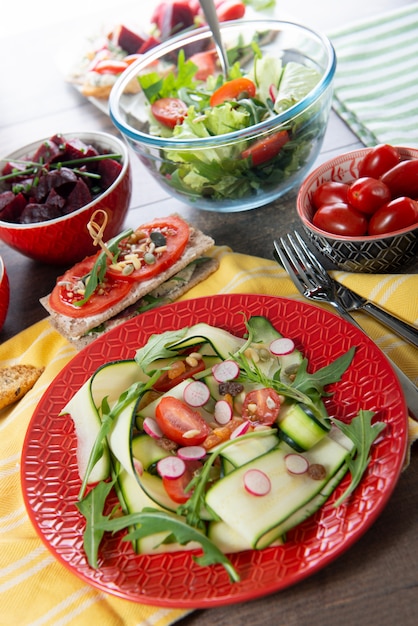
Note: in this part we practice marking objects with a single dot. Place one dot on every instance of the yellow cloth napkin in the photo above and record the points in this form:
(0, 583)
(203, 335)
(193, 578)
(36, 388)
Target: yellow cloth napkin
(37, 589)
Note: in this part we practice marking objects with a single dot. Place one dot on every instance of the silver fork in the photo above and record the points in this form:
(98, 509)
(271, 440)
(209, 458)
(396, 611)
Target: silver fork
(313, 282)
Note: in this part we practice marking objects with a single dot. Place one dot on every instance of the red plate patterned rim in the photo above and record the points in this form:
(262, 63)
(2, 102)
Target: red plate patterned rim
(50, 481)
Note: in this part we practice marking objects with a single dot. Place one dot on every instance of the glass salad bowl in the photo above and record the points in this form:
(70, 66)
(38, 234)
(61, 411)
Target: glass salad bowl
(234, 146)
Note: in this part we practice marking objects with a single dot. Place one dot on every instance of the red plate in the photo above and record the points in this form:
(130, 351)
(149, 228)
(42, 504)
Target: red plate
(50, 480)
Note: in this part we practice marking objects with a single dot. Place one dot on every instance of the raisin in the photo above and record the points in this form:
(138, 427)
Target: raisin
(230, 387)
(316, 471)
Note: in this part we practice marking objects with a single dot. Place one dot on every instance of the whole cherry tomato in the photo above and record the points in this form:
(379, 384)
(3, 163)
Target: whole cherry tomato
(340, 219)
(330, 192)
(402, 179)
(379, 160)
(393, 216)
(368, 194)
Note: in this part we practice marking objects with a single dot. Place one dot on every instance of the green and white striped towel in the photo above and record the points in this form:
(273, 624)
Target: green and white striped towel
(376, 81)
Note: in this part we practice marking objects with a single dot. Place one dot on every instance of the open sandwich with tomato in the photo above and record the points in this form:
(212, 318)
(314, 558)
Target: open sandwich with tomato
(134, 272)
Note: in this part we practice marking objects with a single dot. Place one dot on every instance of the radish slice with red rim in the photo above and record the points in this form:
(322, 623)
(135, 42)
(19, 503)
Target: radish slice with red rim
(196, 393)
(240, 430)
(191, 453)
(139, 468)
(222, 412)
(296, 463)
(282, 346)
(171, 467)
(256, 482)
(225, 371)
(151, 428)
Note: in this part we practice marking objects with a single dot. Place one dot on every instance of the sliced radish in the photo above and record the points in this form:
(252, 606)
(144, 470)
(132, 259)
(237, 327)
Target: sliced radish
(227, 370)
(296, 464)
(240, 430)
(196, 393)
(139, 468)
(222, 412)
(171, 467)
(256, 482)
(191, 453)
(151, 428)
(282, 346)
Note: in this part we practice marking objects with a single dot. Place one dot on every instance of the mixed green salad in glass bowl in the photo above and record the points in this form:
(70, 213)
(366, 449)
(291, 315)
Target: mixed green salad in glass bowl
(236, 142)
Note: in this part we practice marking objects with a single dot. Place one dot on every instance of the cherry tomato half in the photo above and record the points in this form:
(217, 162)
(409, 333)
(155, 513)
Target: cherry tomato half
(180, 423)
(205, 63)
(393, 216)
(169, 111)
(231, 90)
(176, 487)
(330, 192)
(167, 381)
(265, 149)
(65, 293)
(379, 160)
(340, 219)
(261, 406)
(368, 194)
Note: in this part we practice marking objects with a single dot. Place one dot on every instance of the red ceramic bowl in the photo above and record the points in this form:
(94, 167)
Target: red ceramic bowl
(4, 293)
(382, 253)
(65, 240)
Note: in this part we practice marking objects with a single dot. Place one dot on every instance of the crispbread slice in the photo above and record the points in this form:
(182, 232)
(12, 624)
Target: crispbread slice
(201, 272)
(75, 328)
(16, 381)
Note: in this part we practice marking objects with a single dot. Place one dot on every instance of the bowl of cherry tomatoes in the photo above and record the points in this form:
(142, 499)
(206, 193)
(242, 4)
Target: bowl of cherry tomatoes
(50, 189)
(360, 209)
(4, 293)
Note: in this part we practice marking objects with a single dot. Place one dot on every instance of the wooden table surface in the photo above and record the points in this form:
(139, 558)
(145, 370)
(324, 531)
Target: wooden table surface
(375, 582)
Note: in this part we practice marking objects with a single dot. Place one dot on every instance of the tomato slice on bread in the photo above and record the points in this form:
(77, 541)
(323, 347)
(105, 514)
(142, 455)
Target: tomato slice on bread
(147, 252)
(151, 249)
(70, 289)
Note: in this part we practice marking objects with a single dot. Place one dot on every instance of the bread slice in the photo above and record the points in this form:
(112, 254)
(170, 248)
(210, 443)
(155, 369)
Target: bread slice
(16, 381)
(77, 330)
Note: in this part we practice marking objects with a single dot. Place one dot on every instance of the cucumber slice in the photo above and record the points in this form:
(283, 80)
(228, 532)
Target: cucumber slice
(135, 500)
(224, 344)
(147, 451)
(300, 428)
(263, 334)
(228, 540)
(260, 519)
(245, 450)
(87, 424)
(112, 379)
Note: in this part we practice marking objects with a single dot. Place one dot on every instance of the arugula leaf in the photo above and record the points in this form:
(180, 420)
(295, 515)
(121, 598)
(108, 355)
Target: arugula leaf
(92, 507)
(315, 382)
(156, 347)
(98, 271)
(150, 521)
(362, 433)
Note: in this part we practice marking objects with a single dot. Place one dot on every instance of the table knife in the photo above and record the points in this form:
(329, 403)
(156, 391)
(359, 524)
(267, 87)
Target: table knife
(354, 302)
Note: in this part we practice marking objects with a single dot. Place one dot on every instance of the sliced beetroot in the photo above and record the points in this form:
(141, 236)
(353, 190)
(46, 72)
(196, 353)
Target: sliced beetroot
(77, 149)
(172, 16)
(11, 206)
(109, 170)
(78, 197)
(33, 213)
(150, 43)
(47, 152)
(129, 40)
